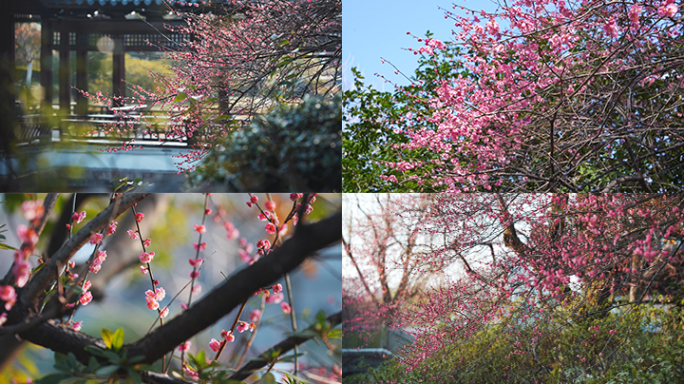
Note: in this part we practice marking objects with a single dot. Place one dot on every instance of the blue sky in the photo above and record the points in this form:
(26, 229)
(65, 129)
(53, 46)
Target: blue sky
(375, 29)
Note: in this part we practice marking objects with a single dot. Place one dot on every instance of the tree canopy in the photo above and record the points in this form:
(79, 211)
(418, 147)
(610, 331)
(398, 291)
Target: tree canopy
(538, 96)
(552, 288)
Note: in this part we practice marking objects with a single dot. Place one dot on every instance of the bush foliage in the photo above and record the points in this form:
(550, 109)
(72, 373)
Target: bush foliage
(296, 147)
(571, 350)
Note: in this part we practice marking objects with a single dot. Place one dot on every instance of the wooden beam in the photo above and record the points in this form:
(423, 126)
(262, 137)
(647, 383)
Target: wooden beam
(137, 32)
(23, 6)
(117, 26)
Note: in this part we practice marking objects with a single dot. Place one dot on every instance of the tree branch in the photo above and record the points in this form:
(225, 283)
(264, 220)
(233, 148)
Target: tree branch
(60, 338)
(284, 346)
(50, 270)
(239, 287)
(48, 206)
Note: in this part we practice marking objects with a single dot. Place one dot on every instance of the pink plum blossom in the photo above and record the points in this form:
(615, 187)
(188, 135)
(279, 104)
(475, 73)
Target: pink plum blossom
(196, 263)
(254, 315)
(242, 326)
(146, 257)
(8, 295)
(275, 298)
(214, 345)
(21, 271)
(96, 239)
(270, 205)
(78, 217)
(111, 228)
(32, 209)
(86, 298)
(285, 307)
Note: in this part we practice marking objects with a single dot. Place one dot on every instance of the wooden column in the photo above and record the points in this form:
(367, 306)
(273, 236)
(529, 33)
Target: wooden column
(7, 43)
(64, 74)
(81, 74)
(8, 119)
(118, 72)
(46, 64)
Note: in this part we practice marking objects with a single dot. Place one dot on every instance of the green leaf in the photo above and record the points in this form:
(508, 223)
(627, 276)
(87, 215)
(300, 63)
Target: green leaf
(60, 358)
(290, 358)
(271, 355)
(268, 378)
(118, 339)
(72, 362)
(61, 363)
(136, 359)
(93, 364)
(201, 359)
(181, 96)
(107, 370)
(7, 247)
(307, 333)
(133, 375)
(335, 334)
(97, 351)
(112, 356)
(37, 268)
(107, 336)
(55, 378)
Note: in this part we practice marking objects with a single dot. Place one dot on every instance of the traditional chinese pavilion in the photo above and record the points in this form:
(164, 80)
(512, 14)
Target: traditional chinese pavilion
(116, 26)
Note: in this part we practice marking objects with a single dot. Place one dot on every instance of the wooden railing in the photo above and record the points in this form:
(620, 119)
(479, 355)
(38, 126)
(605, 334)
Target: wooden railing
(110, 128)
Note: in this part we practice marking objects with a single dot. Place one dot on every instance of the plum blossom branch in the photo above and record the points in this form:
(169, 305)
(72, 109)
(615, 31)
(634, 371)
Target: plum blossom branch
(50, 270)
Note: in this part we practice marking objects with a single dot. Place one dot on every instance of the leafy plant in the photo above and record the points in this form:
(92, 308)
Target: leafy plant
(293, 147)
(110, 363)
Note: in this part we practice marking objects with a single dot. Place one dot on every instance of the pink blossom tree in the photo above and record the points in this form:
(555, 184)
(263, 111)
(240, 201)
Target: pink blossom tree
(389, 260)
(552, 288)
(43, 291)
(536, 96)
(244, 58)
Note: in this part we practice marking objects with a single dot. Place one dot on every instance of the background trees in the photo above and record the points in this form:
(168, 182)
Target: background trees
(543, 96)
(391, 261)
(553, 288)
(51, 312)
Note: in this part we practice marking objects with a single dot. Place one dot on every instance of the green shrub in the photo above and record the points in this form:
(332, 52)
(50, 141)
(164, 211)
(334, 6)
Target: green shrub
(292, 148)
(647, 346)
